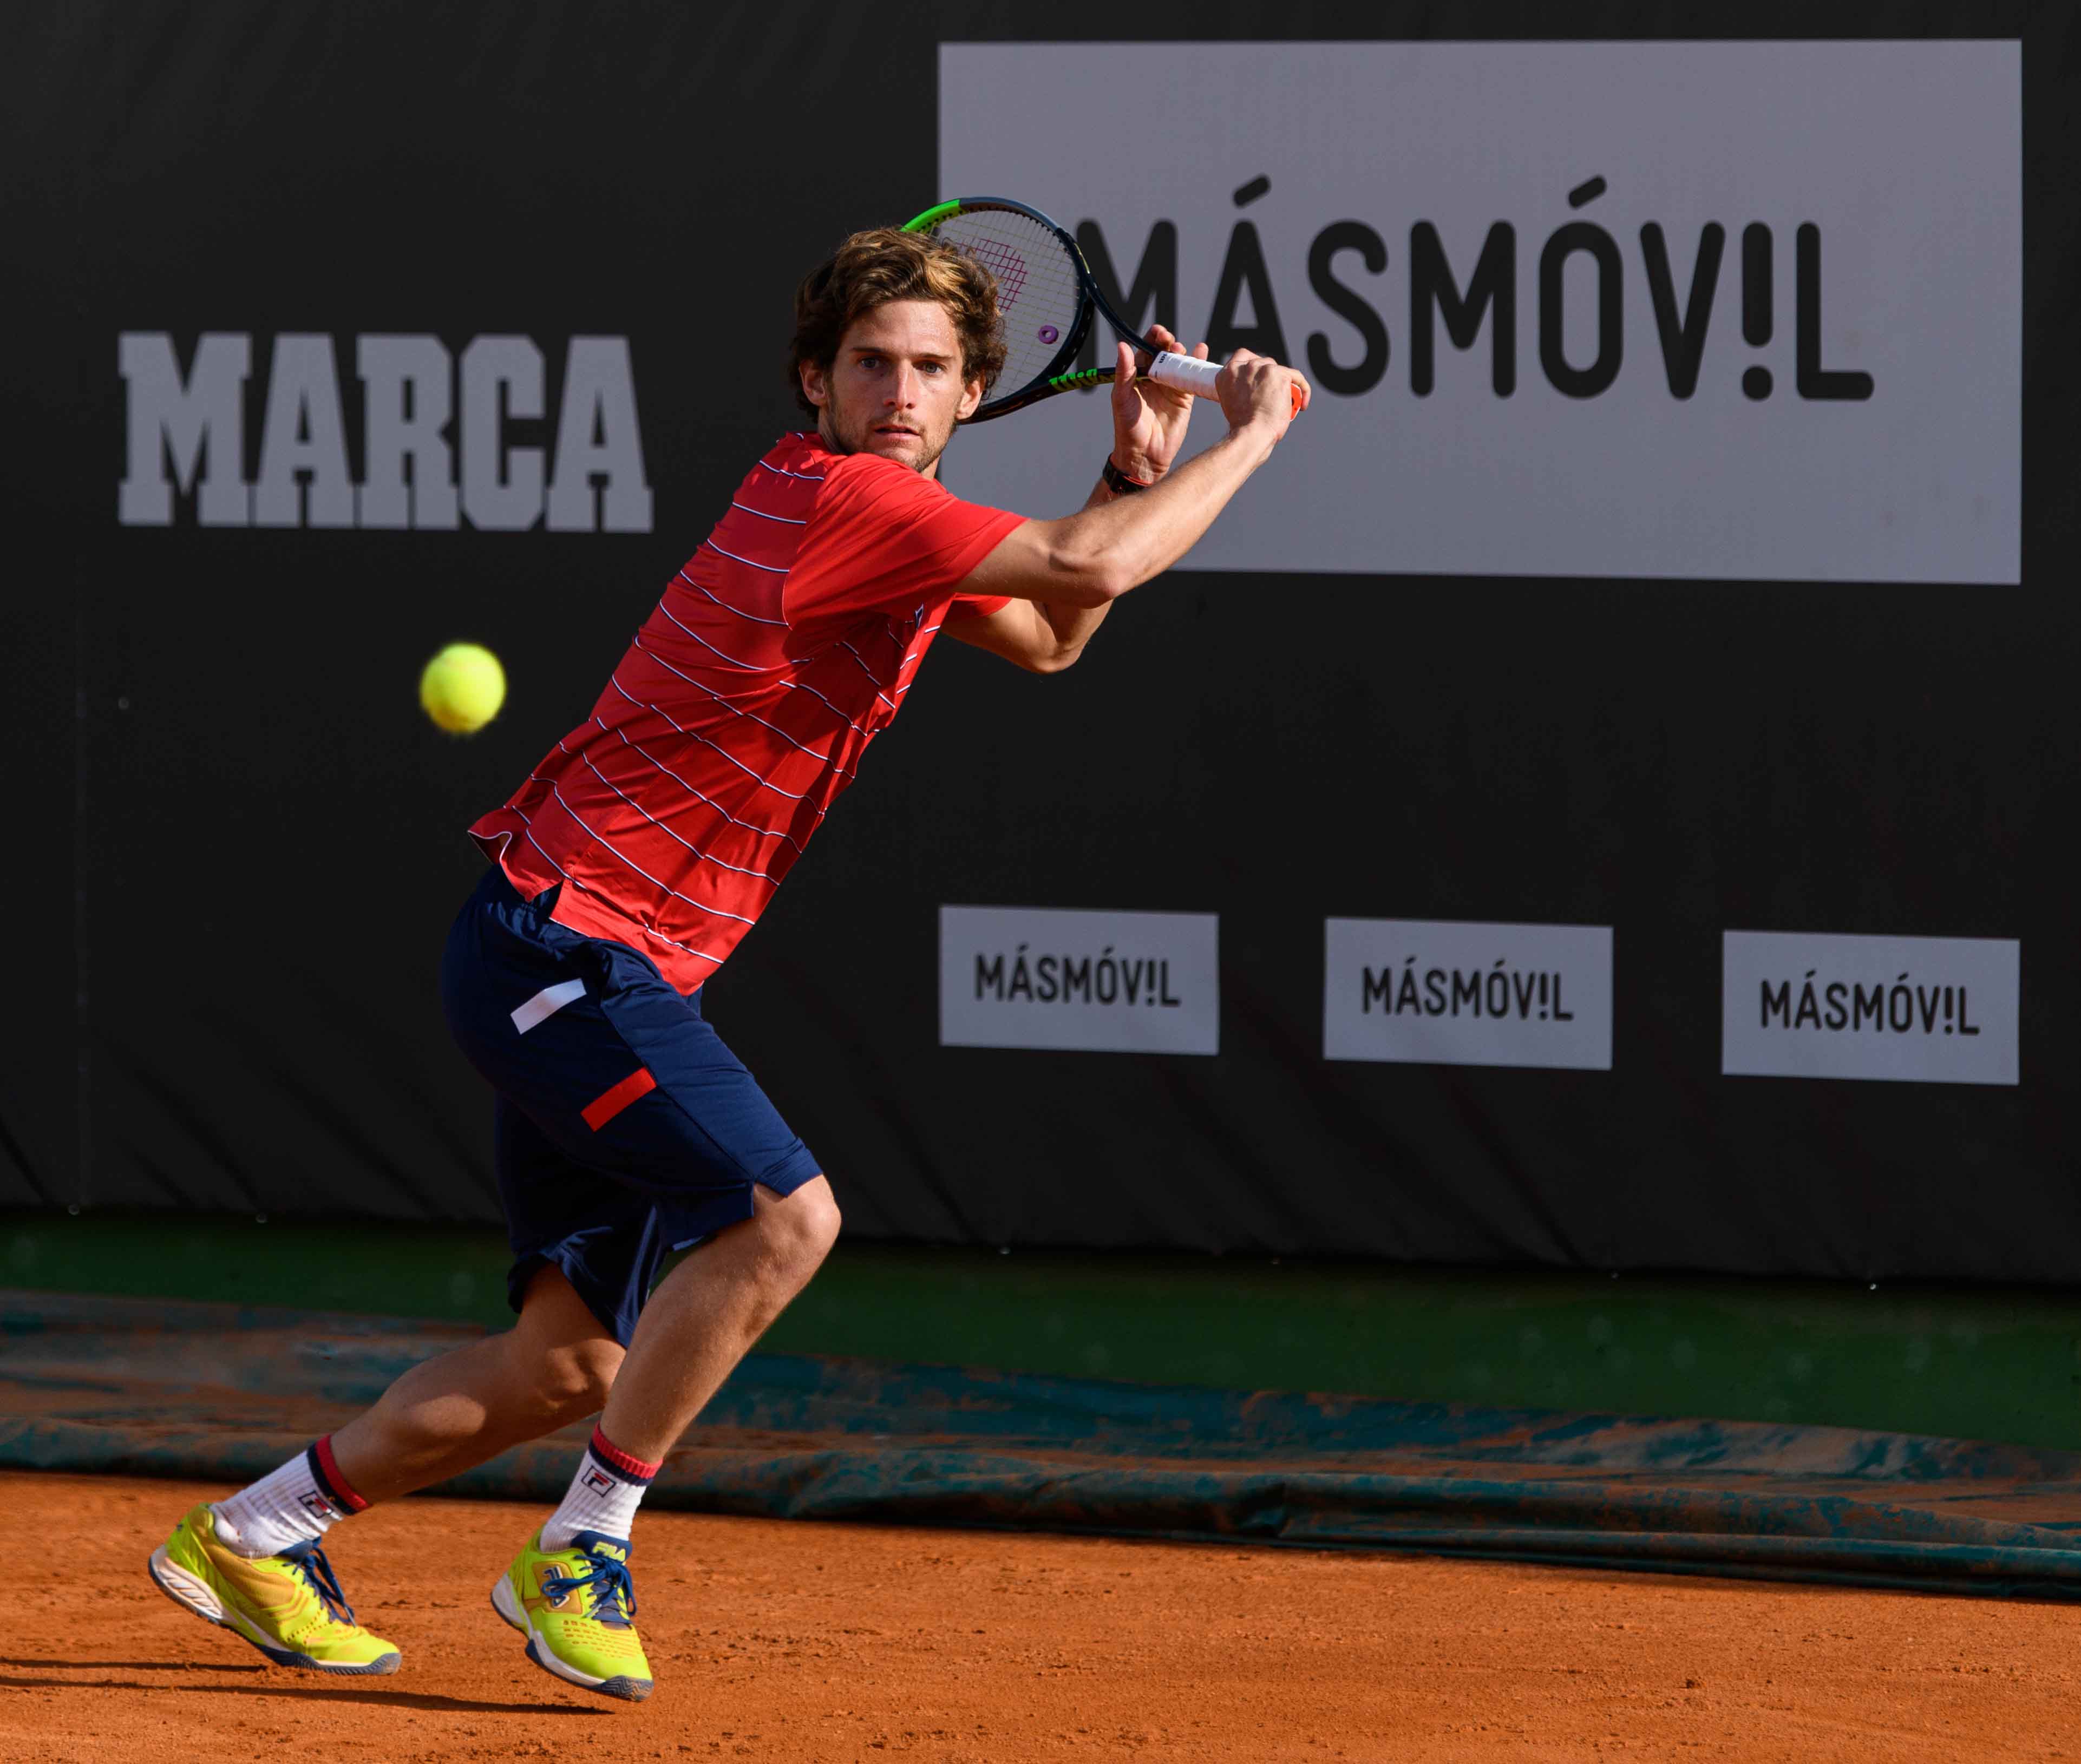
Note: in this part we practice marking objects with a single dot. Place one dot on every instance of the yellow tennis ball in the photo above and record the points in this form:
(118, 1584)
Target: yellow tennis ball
(462, 688)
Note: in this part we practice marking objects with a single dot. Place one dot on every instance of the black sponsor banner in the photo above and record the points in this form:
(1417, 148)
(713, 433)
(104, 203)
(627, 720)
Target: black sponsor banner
(337, 339)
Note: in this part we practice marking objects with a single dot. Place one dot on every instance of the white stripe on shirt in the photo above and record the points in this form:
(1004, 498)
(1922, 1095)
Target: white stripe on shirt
(609, 844)
(770, 569)
(752, 716)
(869, 672)
(695, 734)
(747, 667)
(804, 686)
(727, 607)
(638, 749)
(704, 856)
(528, 833)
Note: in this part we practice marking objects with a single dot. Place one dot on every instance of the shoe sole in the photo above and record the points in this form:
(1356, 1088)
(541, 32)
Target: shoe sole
(622, 1688)
(194, 1594)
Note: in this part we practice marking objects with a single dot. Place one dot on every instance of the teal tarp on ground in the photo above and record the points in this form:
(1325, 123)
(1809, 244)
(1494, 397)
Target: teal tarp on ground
(218, 1391)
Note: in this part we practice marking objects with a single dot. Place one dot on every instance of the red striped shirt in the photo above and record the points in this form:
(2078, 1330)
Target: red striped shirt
(742, 709)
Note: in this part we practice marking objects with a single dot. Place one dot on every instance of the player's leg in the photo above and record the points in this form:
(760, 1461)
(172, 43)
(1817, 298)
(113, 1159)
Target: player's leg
(254, 1564)
(682, 1151)
(454, 1413)
(569, 1590)
(704, 1316)
(626, 1130)
(700, 1321)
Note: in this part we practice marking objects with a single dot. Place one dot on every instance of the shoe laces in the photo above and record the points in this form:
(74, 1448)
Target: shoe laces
(611, 1593)
(309, 1562)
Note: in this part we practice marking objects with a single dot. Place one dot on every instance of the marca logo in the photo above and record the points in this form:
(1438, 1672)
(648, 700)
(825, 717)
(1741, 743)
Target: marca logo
(420, 464)
(1702, 308)
(1932, 1009)
(1106, 982)
(1457, 992)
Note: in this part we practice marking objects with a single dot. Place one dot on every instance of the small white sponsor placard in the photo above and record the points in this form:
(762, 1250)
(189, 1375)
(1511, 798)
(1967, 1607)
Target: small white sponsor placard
(1453, 991)
(1015, 977)
(1923, 1010)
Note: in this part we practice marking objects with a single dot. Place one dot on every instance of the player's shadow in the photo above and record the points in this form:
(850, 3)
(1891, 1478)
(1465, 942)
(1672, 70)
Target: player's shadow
(425, 1701)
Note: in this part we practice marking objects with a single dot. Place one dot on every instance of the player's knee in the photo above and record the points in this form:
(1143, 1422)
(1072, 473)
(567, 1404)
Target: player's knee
(800, 1229)
(578, 1376)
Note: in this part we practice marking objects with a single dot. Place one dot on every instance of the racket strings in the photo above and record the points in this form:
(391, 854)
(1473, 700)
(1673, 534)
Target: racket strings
(1005, 262)
(1038, 292)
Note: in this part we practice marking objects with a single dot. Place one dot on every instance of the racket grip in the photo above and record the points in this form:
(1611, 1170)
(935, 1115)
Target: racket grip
(1189, 373)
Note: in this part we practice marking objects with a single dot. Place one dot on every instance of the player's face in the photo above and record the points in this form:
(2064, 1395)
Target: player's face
(896, 387)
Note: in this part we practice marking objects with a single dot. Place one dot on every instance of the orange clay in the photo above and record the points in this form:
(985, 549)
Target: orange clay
(791, 1642)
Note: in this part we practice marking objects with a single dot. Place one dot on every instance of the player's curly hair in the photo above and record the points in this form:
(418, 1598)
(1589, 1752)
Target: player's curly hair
(884, 264)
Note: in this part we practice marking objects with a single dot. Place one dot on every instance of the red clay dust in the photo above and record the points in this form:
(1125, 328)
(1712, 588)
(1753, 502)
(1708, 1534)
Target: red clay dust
(794, 1641)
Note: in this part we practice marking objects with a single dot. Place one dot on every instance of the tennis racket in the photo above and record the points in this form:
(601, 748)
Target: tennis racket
(1046, 299)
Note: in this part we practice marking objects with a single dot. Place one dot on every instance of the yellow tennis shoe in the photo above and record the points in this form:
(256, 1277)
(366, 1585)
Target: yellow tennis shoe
(289, 1605)
(577, 1607)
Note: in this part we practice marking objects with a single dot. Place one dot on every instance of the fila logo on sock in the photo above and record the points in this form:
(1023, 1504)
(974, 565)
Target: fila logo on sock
(315, 1504)
(598, 1479)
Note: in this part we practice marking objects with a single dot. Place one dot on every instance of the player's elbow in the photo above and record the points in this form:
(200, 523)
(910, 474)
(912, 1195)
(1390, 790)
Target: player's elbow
(1085, 575)
(1053, 660)
(1089, 585)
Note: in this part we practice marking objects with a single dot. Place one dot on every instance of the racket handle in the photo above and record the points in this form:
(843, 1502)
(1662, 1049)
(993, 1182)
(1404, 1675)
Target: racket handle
(1190, 373)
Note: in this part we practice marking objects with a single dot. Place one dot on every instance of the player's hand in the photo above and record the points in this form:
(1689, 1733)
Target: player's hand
(1148, 420)
(1256, 390)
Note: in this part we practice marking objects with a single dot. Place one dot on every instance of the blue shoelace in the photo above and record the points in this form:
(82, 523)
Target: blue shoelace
(609, 1585)
(309, 1562)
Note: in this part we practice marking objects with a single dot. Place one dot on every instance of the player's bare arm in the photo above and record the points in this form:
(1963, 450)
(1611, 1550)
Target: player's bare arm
(1149, 423)
(895, 388)
(1086, 560)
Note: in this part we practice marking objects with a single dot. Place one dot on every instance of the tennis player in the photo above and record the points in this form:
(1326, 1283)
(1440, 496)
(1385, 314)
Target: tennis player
(622, 873)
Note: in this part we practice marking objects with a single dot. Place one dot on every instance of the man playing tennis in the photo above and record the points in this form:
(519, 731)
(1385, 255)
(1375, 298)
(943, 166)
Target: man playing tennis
(623, 871)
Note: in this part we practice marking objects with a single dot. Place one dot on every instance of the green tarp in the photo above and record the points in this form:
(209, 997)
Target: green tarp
(147, 1388)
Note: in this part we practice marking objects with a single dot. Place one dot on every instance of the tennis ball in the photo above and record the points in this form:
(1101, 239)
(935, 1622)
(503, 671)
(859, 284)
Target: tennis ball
(462, 688)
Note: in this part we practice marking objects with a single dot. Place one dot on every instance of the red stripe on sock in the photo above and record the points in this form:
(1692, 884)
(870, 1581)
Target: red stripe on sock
(608, 1452)
(603, 1108)
(330, 1464)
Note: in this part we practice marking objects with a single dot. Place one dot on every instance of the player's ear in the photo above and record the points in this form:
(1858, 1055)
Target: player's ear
(815, 384)
(971, 397)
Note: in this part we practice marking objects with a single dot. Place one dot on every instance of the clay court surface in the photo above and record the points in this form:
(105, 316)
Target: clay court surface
(789, 1641)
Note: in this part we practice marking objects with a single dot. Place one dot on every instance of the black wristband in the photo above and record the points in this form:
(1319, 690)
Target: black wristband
(1118, 482)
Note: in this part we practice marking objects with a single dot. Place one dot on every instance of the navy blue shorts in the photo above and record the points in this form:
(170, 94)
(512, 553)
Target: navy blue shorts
(623, 1129)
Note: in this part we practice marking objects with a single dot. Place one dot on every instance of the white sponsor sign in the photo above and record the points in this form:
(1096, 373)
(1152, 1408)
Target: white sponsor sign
(429, 458)
(1933, 1010)
(1737, 310)
(1456, 992)
(1013, 976)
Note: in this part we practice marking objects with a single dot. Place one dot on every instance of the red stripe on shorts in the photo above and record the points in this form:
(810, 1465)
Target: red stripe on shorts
(605, 1107)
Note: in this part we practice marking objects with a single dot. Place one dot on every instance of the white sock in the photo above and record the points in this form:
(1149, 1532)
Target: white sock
(288, 1507)
(602, 1497)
